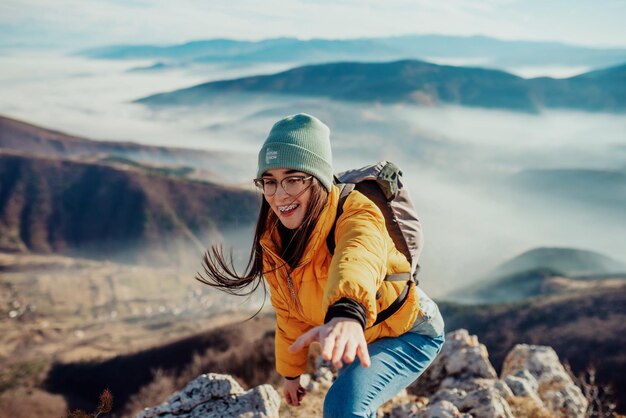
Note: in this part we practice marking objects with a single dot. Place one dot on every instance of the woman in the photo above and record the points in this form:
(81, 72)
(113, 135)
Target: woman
(328, 298)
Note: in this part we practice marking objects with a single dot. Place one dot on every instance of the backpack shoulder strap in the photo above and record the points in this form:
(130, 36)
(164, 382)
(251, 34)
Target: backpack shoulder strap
(345, 189)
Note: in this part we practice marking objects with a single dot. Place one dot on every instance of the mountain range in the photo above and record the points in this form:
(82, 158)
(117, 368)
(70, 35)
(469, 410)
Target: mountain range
(420, 83)
(481, 49)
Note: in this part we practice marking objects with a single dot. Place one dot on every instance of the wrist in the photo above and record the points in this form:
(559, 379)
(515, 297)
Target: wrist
(346, 308)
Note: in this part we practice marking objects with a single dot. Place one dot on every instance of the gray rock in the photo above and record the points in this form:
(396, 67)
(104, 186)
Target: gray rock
(554, 386)
(403, 410)
(464, 355)
(484, 403)
(462, 358)
(504, 390)
(467, 385)
(215, 395)
(525, 375)
(441, 409)
(524, 384)
(454, 396)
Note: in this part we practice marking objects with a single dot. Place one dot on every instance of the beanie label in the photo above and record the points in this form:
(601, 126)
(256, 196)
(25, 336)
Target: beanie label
(270, 155)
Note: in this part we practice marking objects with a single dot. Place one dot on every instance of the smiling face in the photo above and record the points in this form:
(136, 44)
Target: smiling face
(291, 210)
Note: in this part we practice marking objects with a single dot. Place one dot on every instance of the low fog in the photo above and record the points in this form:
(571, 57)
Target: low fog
(457, 162)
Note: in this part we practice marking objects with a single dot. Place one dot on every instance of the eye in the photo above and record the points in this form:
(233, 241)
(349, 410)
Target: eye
(293, 180)
(269, 182)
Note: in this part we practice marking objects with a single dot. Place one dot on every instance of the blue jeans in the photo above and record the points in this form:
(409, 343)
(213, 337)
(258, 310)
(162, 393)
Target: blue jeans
(396, 363)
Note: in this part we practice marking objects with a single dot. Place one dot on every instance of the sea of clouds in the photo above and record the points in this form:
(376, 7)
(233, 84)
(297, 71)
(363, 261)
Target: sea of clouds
(454, 159)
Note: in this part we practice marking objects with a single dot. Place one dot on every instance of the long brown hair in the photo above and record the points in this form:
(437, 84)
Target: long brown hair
(220, 272)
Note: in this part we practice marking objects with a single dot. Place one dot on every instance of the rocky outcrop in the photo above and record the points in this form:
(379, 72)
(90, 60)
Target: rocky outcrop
(218, 396)
(536, 370)
(461, 382)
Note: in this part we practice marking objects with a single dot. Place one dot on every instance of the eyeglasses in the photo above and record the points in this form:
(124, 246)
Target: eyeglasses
(292, 185)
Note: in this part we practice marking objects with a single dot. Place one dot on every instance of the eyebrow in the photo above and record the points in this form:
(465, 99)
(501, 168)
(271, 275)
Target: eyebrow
(266, 174)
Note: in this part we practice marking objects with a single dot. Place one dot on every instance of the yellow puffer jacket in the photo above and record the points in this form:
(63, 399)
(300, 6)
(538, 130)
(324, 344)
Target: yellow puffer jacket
(364, 254)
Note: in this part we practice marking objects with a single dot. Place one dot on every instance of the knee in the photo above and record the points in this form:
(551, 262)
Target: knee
(340, 403)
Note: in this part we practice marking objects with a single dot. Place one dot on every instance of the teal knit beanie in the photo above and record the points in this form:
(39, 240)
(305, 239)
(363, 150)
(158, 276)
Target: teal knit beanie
(300, 142)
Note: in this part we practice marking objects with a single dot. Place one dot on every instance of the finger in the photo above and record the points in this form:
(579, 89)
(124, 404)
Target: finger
(304, 340)
(363, 354)
(287, 396)
(328, 344)
(350, 351)
(338, 351)
(296, 398)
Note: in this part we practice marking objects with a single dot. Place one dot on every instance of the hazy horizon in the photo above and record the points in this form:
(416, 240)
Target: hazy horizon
(72, 24)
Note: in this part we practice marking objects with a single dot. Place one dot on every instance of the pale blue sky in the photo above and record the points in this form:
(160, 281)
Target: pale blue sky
(82, 23)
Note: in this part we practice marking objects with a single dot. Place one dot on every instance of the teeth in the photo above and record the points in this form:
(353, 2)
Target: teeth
(286, 208)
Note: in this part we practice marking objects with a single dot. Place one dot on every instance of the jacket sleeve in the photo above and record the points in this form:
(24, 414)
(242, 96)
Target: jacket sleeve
(288, 329)
(359, 263)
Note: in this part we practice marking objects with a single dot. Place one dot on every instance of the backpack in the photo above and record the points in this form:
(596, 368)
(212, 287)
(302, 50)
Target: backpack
(382, 184)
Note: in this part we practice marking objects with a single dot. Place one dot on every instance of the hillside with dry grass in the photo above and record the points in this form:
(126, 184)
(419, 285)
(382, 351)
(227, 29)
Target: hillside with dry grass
(65, 310)
(101, 211)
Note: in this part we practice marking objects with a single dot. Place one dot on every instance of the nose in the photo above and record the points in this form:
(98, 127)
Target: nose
(280, 192)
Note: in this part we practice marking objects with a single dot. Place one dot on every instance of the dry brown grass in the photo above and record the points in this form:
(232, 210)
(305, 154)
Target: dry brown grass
(25, 374)
(155, 393)
(601, 398)
(312, 406)
(31, 402)
(524, 407)
(105, 405)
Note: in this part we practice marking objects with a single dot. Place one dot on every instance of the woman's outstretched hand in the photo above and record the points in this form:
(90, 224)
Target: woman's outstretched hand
(342, 340)
(293, 392)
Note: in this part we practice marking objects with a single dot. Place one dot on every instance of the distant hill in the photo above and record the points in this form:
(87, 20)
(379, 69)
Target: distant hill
(533, 274)
(567, 261)
(489, 51)
(418, 82)
(594, 91)
(585, 328)
(154, 67)
(101, 211)
(35, 140)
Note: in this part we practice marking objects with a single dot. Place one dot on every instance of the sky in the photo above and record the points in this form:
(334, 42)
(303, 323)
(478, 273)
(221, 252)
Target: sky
(80, 23)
